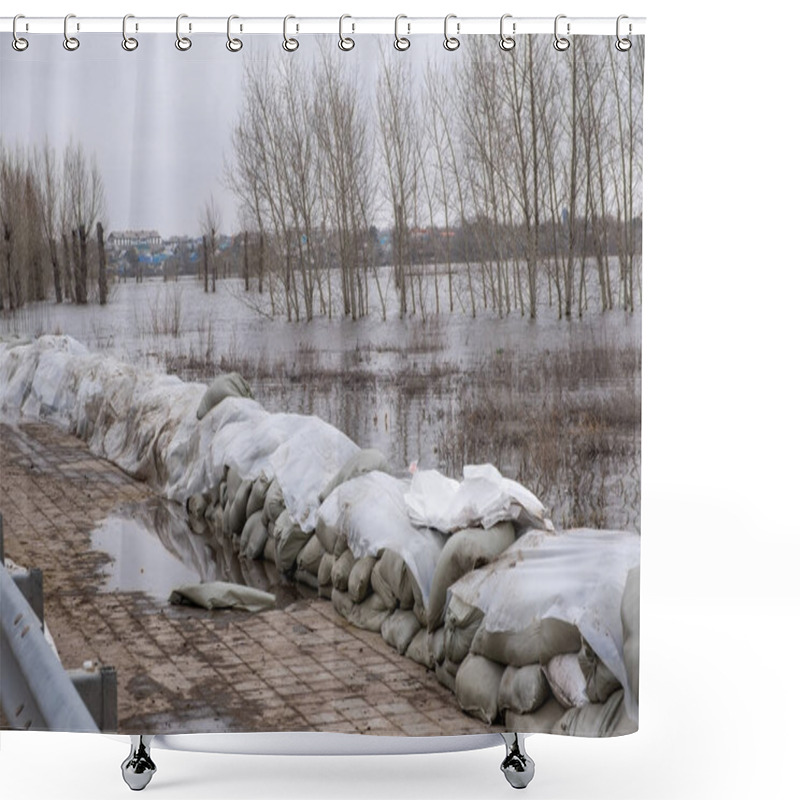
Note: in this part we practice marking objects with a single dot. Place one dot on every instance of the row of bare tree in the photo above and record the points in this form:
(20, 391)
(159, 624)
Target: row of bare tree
(50, 209)
(513, 146)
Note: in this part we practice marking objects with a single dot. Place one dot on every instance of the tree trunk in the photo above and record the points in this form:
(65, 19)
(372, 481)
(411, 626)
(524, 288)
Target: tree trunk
(102, 275)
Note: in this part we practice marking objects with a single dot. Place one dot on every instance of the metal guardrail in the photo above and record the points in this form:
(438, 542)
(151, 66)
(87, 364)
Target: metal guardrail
(35, 690)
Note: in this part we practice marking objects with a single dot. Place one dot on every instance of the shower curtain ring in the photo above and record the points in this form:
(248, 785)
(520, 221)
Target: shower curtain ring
(70, 42)
(18, 43)
(451, 42)
(507, 41)
(401, 42)
(234, 45)
(289, 44)
(128, 42)
(345, 42)
(183, 43)
(561, 43)
(623, 44)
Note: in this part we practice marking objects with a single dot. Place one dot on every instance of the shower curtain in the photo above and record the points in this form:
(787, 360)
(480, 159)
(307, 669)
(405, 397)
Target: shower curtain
(320, 377)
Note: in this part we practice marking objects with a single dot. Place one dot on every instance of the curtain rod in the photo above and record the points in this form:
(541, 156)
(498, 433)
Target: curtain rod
(407, 25)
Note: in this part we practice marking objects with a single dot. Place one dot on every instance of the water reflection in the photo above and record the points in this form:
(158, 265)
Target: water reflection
(154, 550)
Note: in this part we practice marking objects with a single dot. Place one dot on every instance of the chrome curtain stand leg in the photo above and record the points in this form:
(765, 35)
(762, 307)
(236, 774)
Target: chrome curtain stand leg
(518, 766)
(138, 768)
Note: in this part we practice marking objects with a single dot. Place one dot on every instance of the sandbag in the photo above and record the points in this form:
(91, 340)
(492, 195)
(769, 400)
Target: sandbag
(478, 687)
(463, 552)
(630, 630)
(460, 624)
(436, 645)
(419, 647)
(399, 628)
(341, 602)
(445, 675)
(324, 573)
(306, 578)
(238, 508)
(597, 719)
(341, 571)
(232, 481)
(230, 385)
(327, 532)
(258, 495)
(523, 689)
(359, 464)
(196, 505)
(358, 583)
(601, 683)
(218, 594)
(567, 681)
(340, 544)
(254, 537)
(273, 501)
(537, 644)
(289, 541)
(543, 720)
(308, 559)
(370, 614)
(269, 547)
(391, 580)
(223, 493)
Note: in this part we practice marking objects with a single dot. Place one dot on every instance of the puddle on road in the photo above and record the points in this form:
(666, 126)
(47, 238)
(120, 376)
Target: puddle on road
(153, 550)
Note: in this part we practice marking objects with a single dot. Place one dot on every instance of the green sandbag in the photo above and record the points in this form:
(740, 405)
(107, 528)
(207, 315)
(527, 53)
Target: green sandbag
(369, 615)
(463, 552)
(630, 629)
(254, 538)
(419, 649)
(218, 594)
(306, 578)
(327, 535)
(196, 505)
(230, 385)
(543, 720)
(445, 676)
(341, 602)
(597, 719)
(601, 682)
(358, 464)
(237, 508)
(223, 493)
(436, 641)
(289, 541)
(478, 686)
(566, 679)
(232, 480)
(258, 495)
(391, 580)
(537, 644)
(324, 573)
(309, 558)
(273, 501)
(340, 574)
(399, 628)
(461, 622)
(358, 582)
(523, 689)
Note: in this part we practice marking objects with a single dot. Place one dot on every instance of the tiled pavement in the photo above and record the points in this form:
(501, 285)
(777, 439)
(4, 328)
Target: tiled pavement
(181, 669)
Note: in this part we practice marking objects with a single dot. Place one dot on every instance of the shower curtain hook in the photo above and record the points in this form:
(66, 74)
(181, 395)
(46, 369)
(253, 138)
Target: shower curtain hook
(623, 44)
(289, 44)
(18, 43)
(70, 42)
(561, 43)
(451, 42)
(401, 42)
(234, 45)
(183, 43)
(128, 42)
(507, 41)
(345, 42)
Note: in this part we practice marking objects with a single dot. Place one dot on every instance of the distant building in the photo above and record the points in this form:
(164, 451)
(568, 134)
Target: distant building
(123, 239)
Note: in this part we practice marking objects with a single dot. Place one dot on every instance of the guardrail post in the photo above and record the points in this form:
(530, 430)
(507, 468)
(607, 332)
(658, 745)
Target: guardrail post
(98, 690)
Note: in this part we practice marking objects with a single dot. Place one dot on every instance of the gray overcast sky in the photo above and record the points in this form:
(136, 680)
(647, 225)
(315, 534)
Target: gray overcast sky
(157, 119)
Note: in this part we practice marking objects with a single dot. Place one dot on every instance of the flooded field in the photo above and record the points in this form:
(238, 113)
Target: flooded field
(555, 404)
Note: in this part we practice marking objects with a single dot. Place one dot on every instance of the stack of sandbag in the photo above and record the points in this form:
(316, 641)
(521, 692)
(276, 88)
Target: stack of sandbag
(547, 653)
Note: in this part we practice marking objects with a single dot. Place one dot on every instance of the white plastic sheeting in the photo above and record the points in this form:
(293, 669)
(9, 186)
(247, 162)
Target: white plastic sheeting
(483, 498)
(370, 510)
(577, 576)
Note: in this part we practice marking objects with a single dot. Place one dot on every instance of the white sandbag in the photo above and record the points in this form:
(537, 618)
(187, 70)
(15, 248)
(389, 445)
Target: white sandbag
(463, 552)
(370, 511)
(419, 649)
(630, 630)
(369, 614)
(523, 690)
(230, 385)
(597, 719)
(289, 541)
(258, 493)
(577, 576)
(399, 629)
(309, 558)
(536, 644)
(358, 582)
(340, 574)
(273, 501)
(478, 686)
(359, 464)
(254, 537)
(237, 507)
(483, 499)
(567, 681)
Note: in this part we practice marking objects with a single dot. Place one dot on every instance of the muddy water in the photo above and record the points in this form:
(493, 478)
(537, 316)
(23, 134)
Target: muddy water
(153, 550)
